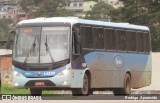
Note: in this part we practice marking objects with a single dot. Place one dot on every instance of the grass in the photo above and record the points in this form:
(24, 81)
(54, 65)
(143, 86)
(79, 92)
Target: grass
(7, 88)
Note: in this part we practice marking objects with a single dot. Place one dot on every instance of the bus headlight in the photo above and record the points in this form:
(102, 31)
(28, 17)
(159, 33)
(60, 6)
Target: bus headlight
(16, 84)
(64, 72)
(17, 74)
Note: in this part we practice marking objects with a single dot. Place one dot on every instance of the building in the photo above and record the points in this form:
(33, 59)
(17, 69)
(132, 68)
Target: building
(76, 6)
(88, 5)
(7, 9)
(5, 66)
(115, 3)
(11, 10)
(80, 7)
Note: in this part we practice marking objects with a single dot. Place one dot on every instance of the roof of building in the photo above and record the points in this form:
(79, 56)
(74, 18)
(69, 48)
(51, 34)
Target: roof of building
(5, 52)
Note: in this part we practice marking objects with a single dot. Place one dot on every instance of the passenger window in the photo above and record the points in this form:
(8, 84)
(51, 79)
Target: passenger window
(110, 39)
(98, 38)
(146, 42)
(120, 40)
(140, 39)
(76, 41)
(87, 40)
(131, 41)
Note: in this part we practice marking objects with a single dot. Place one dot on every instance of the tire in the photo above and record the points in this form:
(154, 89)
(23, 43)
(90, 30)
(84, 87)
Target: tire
(82, 91)
(127, 87)
(118, 91)
(90, 92)
(36, 91)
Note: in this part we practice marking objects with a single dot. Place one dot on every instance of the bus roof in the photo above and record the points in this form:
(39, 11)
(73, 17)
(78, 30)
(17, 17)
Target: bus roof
(74, 20)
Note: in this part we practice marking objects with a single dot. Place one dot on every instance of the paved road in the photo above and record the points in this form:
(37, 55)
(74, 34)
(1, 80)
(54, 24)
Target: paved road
(104, 97)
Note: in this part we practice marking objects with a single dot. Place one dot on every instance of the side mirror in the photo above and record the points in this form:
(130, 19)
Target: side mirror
(11, 34)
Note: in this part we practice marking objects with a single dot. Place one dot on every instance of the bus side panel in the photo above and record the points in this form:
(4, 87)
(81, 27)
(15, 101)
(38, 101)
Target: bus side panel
(77, 78)
(140, 79)
(79, 67)
(139, 66)
(142, 76)
(108, 69)
(103, 72)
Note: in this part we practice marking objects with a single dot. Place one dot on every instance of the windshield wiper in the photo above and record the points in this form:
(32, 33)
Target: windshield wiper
(48, 50)
(32, 47)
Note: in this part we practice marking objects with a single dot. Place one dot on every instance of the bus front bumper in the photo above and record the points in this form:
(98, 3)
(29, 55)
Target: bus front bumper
(57, 81)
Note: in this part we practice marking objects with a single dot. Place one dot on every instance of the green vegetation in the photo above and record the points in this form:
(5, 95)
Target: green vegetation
(45, 8)
(9, 89)
(91, 0)
(4, 28)
(100, 11)
(143, 12)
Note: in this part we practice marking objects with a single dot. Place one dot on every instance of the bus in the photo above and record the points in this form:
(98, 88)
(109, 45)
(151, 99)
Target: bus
(68, 53)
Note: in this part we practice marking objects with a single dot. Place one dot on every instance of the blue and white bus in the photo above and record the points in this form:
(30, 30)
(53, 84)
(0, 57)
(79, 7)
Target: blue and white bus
(69, 53)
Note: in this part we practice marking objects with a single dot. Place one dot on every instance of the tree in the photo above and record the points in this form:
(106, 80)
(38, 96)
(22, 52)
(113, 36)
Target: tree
(142, 12)
(91, 0)
(117, 15)
(100, 11)
(4, 28)
(47, 8)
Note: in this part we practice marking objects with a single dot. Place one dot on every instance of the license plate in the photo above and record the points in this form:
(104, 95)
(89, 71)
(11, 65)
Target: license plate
(39, 83)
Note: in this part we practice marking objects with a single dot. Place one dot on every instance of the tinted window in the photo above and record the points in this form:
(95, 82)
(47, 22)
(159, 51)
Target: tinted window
(146, 42)
(76, 40)
(98, 38)
(140, 39)
(120, 40)
(110, 39)
(87, 40)
(131, 41)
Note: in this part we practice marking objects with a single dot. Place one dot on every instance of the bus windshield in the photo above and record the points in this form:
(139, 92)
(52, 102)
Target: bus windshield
(41, 44)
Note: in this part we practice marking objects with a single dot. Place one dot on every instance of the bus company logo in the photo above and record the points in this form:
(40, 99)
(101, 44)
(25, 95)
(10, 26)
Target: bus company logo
(18, 97)
(38, 74)
(118, 61)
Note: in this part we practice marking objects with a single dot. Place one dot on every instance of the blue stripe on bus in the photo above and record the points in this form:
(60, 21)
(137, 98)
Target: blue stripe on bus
(34, 74)
(110, 59)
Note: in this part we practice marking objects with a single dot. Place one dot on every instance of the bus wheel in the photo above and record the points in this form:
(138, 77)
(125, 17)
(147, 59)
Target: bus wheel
(82, 91)
(127, 87)
(36, 91)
